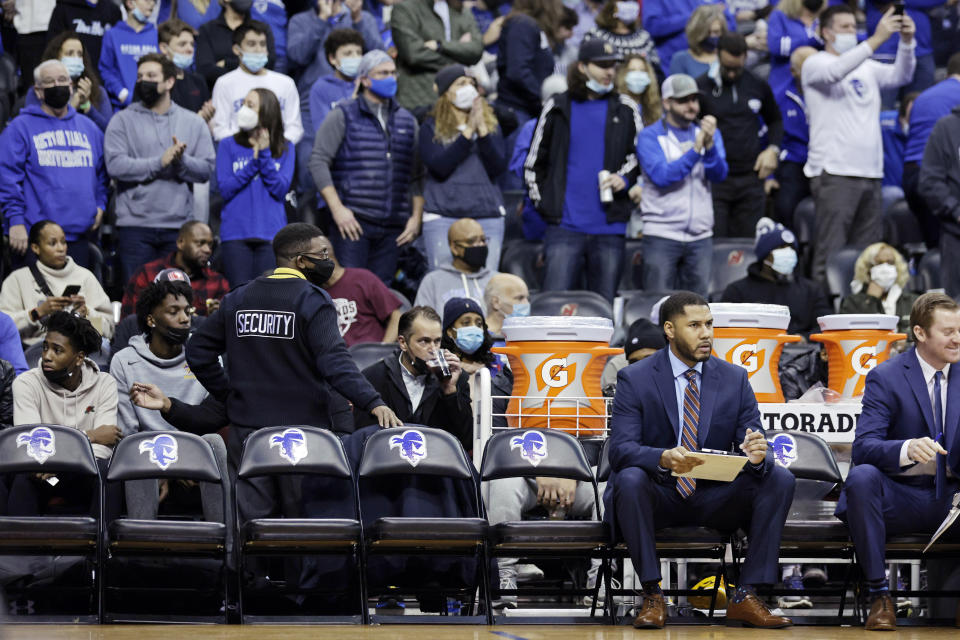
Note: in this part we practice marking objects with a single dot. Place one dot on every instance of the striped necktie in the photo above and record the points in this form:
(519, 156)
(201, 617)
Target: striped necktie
(691, 419)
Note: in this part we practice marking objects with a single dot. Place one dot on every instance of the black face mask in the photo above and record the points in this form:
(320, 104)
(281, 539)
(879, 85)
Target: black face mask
(320, 272)
(420, 366)
(56, 97)
(148, 91)
(175, 335)
(709, 45)
(812, 5)
(241, 6)
(57, 376)
(476, 257)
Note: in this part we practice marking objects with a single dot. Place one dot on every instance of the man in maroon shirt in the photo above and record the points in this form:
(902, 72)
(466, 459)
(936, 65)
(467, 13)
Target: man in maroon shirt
(194, 248)
(367, 311)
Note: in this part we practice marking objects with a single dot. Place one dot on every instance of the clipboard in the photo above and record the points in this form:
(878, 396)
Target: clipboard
(721, 466)
(947, 522)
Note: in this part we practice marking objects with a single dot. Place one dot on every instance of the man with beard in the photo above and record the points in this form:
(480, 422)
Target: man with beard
(283, 355)
(696, 402)
(194, 248)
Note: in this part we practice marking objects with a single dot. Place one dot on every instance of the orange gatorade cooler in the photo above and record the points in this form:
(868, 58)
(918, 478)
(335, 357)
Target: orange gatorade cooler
(752, 336)
(856, 343)
(556, 363)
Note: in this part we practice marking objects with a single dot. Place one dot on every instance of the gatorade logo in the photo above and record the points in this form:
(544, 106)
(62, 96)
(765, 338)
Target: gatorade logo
(864, 359)
(555, 374)
(749, 356)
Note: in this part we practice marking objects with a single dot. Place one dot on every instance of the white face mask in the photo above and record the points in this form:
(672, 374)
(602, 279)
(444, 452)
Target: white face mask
(464, 97)
(247, 118)
(844, 42)
(784, 260)
(884, 275)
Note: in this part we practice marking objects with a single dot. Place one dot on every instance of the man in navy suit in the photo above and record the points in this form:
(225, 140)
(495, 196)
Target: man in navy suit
(678, 400)
(906, 451)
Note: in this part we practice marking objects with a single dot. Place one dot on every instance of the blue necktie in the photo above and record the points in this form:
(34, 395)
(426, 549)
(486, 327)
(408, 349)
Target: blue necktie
(691, 419)
(941, 437)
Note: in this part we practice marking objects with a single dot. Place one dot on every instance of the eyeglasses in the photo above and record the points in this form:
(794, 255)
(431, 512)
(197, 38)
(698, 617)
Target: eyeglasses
(324, 254)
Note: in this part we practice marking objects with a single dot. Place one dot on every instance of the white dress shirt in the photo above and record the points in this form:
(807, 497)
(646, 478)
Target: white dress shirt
(414, 385)
(928, 376)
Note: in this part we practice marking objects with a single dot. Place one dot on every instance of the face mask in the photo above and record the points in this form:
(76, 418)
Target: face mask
(182, 60)
(349, 66)
(637, 81)
(731, 75)
(74, 65)
(469, 339)
(149, 92)
(247, 118)
(464, 97)
(476, 257)
(885, 275)
(709, 45)
(176, 335)
(254, 61)
(420, 367)
(384, 87)
(520, 310)
(812, 5)
(241, 6)
(56, 97)
(628, 12)
(784, 260)
(598, 88)
(844, 42)
(320, 272)
(57, 376)
(139, 16)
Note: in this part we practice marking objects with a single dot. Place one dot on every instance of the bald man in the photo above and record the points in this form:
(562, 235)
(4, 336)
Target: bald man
(791, 184)
(467, 276)
(506, 296)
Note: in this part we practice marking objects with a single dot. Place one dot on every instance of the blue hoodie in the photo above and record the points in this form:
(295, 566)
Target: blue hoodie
(52, 169)
(122, 47)
(274, 13)
(930, 106)
(784, 35)
(189, 14)
(324, 96)
(796, 130)
(916, 9)
(894, 141)
(666, 20)
(252, 190)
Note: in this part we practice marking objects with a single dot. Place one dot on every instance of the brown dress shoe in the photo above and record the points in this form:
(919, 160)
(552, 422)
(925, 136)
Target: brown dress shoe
(653, 615)
(753, 613)
(883, 615)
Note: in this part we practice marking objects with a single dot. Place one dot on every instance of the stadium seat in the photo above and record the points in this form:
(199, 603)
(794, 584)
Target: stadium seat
(639, 304)
(930, 270)
(56, 450)
(840, 268)
(900, 225)
(301, 450)
(523, 259)
(368, 353)
(416, 451)
(404, 300)
(171, 455)
(631, 274)
(570, 303)
(805, 221)
(522, 453)
(731, 257)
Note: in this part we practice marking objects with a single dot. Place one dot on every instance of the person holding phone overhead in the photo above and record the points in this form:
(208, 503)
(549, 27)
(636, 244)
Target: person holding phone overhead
(54, 283)
(678, 400)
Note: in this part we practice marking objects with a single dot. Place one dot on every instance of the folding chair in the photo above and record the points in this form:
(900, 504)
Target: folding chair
(680, 544)
(415, 450)
(300, 450)
(53, 449)
(529, 453)
(570, 303)
(170, 455)
(731, 257)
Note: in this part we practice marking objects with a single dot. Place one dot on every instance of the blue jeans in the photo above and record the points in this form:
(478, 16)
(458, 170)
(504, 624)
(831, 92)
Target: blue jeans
(570, 256)
(670, 265)
(244, 260)
(438, 248)
(137, 246)
(376, 249)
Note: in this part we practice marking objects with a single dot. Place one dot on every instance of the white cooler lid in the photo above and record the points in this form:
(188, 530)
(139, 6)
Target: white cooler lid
(558, 328)
(849, 321)
(750, 316)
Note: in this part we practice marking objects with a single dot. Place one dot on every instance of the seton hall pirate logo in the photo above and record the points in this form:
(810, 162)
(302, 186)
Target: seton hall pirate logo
(412, 446)
(162, 450)
(532, 446)
(291, 444)
(40, 442)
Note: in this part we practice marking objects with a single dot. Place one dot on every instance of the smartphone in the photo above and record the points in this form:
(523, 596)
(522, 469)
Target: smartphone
(71, 290)
(898, 8)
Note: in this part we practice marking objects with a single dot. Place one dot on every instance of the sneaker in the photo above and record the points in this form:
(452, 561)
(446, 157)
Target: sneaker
(799, 601)
(602, 593)
(508, 580)
(528, 572)
(814, 577)
(387, 606)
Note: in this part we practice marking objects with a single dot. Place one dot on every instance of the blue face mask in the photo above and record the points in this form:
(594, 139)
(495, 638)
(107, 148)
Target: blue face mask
(349, 67)
(784, 260)
(139, 15)
(637, 81)
(469, 339)
(182, 60)
(598, 88)
(74, 66)
(254, 61)
(384, 87)
(520, 310)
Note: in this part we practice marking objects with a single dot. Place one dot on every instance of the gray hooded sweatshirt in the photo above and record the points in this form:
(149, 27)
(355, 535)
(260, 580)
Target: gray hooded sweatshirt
(136, 363)
(149, 194)
(446, 282)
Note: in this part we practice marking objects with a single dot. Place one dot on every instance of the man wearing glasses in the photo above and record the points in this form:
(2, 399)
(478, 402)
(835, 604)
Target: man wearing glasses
(467, 276)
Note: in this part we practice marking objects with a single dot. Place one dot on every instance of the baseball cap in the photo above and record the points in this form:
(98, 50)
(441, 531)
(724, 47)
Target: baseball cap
(679, 85)
(172, 274)
(598, 51)
(643, 334)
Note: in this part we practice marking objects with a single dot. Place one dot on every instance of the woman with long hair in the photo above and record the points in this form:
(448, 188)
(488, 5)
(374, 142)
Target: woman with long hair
(619, 24)
(879, 285)
(254, 169)
(463, 150)
(791, 25)
(703, 31)
(637, 79)
(89, 98)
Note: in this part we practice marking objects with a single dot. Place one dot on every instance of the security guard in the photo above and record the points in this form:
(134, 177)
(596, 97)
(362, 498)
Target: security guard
(283, 348)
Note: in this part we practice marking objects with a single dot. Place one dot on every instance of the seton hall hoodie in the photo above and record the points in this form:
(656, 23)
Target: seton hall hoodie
(52, 168)
(91, 405)
(122, 47)
(137, 363)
